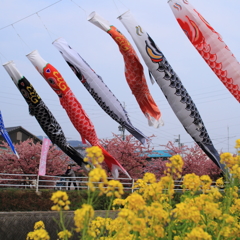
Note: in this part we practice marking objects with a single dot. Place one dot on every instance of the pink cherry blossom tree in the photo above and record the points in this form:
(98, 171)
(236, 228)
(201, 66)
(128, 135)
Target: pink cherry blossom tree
(130, 153)
(28, 163)
(195, 161)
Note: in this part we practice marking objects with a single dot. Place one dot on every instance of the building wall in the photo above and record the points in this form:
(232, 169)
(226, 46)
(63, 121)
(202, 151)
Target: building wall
(19, 136)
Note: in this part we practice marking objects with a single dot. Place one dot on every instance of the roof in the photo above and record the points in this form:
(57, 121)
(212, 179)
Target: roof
(10, 129)
(20, 128)
(159, 154)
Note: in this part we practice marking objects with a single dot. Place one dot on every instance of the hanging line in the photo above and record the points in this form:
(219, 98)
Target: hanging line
(117, 7)
(30, 15)
(123, 4)
(119, 12)
(20, 36)
(3, 57)
(80, 8)
(44, 26)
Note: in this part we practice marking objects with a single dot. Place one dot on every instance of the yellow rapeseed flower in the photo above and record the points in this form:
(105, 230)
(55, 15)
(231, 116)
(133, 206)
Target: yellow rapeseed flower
(174, 167)
(98, 226)
(206, 182)
(39, 234)
(135, 202)
(237, 143)
(120, 228)
(82, 216)
(138, 224)
(220, 183)
(184, 211)
(97, 175)
(157, 213)
(127, 214)
(114, 188)
(167, 184)
(191, 182)
(214, 192)
(228, 159)
(60, 199)
(198, 233)
(64, 234)
(94, 155)
(39, 225)
(235, 208)
(149, 178)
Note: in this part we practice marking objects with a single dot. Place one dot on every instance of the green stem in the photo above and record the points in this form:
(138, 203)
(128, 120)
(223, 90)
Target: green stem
(62, 225)
(109, 206)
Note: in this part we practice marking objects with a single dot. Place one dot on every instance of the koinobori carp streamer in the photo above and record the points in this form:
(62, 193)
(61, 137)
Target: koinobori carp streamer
(43, 115)
(5, 135)
(171, 86)
(74, 109)
(209, 44)
(134, 72)
(97, 88)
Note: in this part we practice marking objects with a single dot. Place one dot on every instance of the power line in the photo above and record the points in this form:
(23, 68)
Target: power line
(30, 15)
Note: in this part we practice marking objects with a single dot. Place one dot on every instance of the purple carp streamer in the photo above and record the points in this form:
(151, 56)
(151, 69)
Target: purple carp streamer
(133, 72)
(171, 86)
(97, 88)
(209, 44)
(5, 134)
(43, 115)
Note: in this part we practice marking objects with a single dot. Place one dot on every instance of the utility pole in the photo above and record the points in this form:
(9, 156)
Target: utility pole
(228, 138)
(178, 141)
(122, 128)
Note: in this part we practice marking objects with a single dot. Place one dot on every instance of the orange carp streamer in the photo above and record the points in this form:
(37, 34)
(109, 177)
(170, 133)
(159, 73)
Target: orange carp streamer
(136, 80)
(134, 72)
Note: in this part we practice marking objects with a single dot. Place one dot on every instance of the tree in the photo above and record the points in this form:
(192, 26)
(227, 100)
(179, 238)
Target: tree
(195, 161)
(130, 153)
(29, 154)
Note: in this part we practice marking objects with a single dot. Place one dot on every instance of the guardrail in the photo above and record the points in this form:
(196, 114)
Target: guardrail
(33, 181)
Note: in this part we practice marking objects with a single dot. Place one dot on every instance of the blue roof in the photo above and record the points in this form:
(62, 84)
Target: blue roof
(159, 154)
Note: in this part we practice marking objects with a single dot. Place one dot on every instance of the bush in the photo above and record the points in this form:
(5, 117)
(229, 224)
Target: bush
(29, 200)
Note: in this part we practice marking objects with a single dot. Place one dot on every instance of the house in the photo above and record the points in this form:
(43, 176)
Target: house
(19, 134)
(163, 154)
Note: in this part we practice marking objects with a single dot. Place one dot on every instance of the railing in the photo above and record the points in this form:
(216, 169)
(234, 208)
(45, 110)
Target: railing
(33, 181)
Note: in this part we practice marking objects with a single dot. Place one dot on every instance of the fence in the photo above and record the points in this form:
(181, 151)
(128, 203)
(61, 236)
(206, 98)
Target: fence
(34, 181)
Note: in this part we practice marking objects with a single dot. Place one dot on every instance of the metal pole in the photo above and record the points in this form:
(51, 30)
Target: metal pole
(132, 184)
(37, 183)
(228, 138)
(123, 130)
(179, 142)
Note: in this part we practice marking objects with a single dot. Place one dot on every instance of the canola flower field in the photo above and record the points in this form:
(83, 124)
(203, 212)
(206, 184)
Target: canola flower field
(149, 213)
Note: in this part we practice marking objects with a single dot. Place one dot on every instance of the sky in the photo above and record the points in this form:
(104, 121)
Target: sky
(219, 110)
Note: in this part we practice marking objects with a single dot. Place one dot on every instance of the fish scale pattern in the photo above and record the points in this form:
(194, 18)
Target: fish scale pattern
(69, 102)
(135, 78)
(76, 113)
(79, 118)
(209, 44)
(101, 103)
(97, 88)
(124, 122)
(211, 59)
(180, 90)
(47, 121)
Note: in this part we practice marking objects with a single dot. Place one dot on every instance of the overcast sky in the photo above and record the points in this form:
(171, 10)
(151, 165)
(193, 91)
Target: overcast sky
(219, 110)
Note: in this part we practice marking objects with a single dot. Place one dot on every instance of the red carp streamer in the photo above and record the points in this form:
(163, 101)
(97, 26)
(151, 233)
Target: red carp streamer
(74, 109)
(209, 44)
(136, 79)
